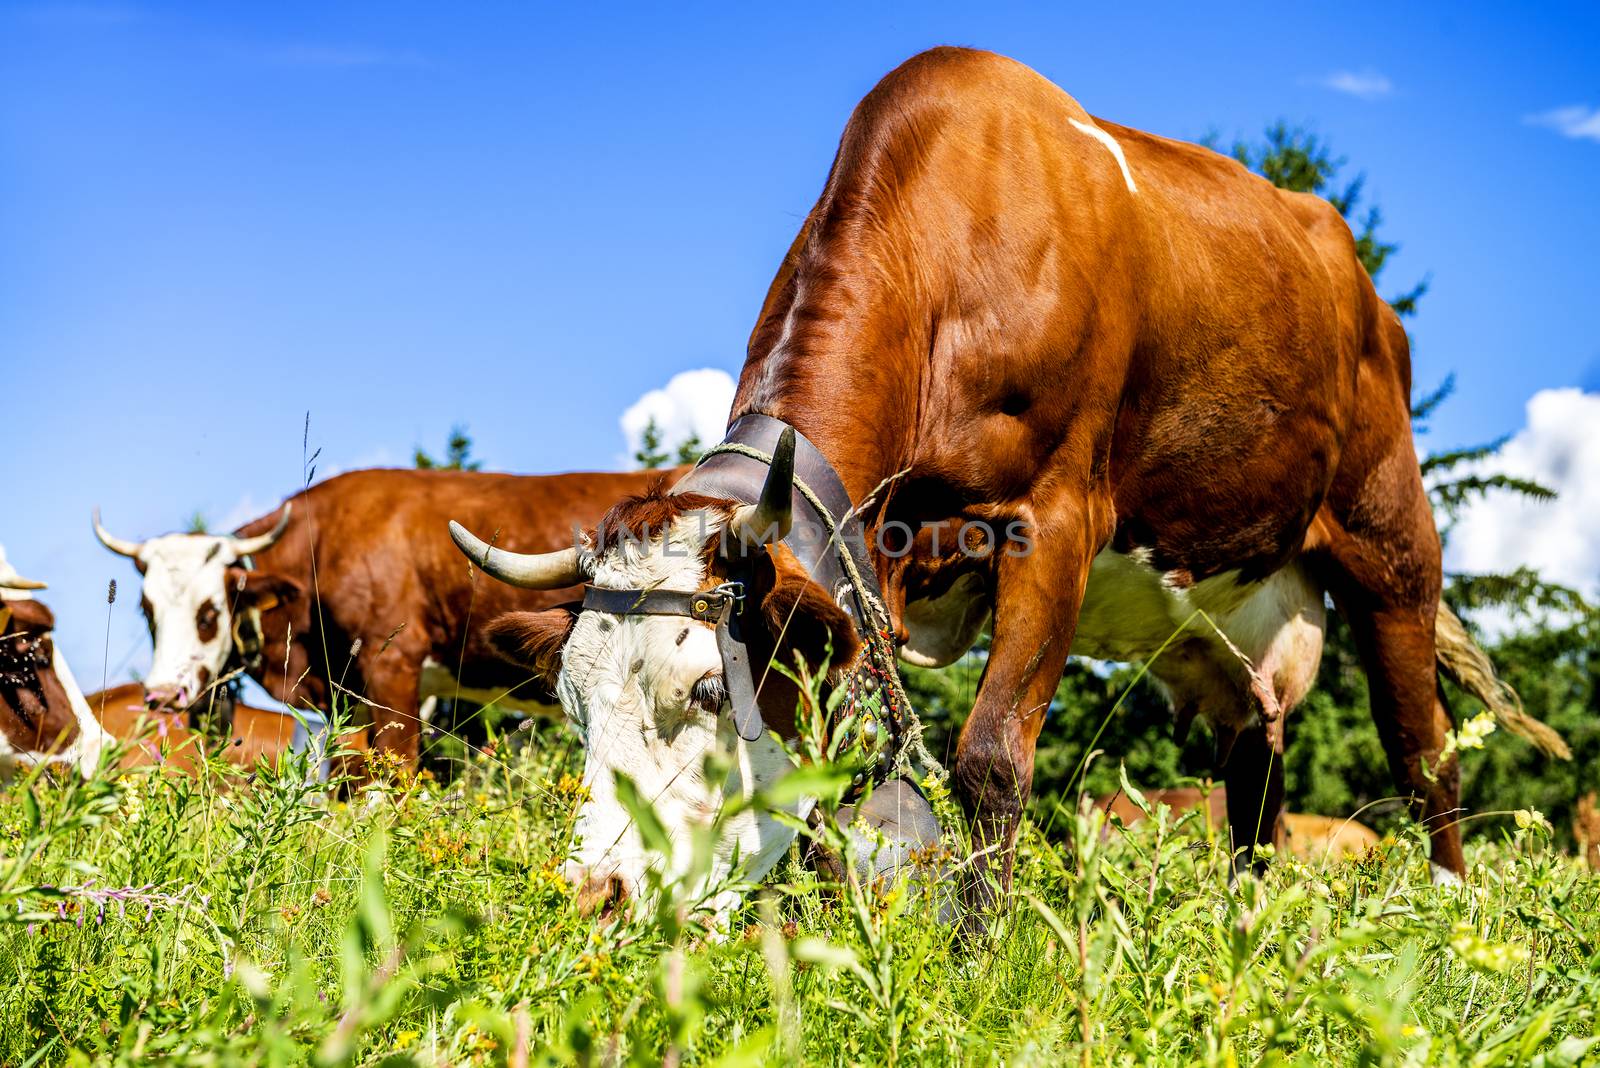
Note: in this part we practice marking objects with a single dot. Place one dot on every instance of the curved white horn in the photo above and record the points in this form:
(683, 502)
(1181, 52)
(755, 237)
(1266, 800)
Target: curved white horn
(531, 571)
(262, 542)
(769, 519)
(114, 543)
(17, 582)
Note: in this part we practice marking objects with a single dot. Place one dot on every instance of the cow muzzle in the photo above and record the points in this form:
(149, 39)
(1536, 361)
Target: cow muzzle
(167, 698)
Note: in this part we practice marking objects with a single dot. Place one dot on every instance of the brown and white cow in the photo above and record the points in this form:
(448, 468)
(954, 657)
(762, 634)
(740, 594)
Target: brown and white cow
(1175, 379)
(353, 587)
(43, 716)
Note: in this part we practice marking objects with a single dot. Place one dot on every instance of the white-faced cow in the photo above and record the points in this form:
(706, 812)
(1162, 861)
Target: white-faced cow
(1161, 395)
(352, 587)
(43, 716)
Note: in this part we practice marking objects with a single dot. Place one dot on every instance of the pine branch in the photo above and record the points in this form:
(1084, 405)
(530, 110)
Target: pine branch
(1452, 496)
(1424, 408)
(1444, 461)
(1522, 591)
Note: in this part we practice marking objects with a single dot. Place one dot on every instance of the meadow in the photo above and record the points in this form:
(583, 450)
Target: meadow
(156, 918)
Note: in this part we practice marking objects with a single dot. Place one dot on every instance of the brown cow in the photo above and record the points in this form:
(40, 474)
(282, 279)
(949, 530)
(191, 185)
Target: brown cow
(166, 737)
(1213, 804)
(1323, 838)
(1309, 837)
(43, 716)
(1172, 387)
(379, 613)
(1586, 829)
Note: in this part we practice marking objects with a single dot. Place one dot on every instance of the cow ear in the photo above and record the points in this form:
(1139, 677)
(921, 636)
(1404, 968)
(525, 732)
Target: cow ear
(261, 591)
(28, 615)
(804, 620)
(533, 640)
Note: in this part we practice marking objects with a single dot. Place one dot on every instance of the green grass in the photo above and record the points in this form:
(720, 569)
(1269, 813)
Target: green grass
(262, 923)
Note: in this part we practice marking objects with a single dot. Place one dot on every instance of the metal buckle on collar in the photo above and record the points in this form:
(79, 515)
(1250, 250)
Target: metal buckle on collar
(710, 606)
(733, 590)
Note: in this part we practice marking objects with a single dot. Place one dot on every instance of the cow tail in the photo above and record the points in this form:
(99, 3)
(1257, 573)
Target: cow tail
(1468, 666)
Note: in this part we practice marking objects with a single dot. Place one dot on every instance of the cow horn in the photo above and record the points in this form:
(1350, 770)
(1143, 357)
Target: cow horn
(17, 582)
(263, 542)
(769, 519)
(531, 571)
(114, 543)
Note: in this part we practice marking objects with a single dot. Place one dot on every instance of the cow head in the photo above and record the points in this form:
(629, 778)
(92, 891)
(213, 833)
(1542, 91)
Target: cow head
(646, 692)
(196, 590)
(43, 716)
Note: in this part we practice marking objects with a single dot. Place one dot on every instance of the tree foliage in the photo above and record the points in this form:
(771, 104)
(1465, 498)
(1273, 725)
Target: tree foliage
(653, 452)
(689, 449)
(650, 455)
(457, 454)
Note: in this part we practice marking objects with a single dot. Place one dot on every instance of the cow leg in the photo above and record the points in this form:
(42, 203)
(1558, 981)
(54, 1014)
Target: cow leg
(392, 681)
(1385, 577)
(1253, 772)
(1036, 607)
(1397, 649)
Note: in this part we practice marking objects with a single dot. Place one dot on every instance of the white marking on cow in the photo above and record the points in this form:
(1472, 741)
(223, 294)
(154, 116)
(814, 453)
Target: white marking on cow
(1443, 876)
(91, 740)
(940, 629)
(1130, 610)
(625, 683)
(1111, 143)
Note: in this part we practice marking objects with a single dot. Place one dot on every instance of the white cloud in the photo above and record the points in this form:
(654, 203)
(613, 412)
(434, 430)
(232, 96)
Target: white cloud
(1577, 121)
(1560, 448)
(1367, 84)
(692, 402)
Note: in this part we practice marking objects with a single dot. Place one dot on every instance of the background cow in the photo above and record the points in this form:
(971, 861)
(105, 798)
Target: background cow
(352, 588)
(166, 737)
(43, 715)
(1175, 379)
(1586, 830)
(1308, 836)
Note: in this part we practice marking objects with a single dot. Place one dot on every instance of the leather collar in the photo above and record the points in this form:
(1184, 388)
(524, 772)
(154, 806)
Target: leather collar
(740, 478)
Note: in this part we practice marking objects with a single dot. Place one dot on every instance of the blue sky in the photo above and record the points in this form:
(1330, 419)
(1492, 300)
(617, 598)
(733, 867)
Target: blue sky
(215, 217)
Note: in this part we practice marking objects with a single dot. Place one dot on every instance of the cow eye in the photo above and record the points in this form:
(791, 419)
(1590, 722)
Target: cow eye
(205, 621)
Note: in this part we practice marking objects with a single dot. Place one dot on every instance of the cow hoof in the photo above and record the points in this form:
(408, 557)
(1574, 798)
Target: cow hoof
(1444, 876)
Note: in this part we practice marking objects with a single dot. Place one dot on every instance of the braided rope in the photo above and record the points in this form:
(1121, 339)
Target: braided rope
(913, 756)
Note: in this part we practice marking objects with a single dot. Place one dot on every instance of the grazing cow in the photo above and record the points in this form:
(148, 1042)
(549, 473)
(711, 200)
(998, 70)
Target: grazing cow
(253, 733)
(352, 587)
(1309, 837)
(1322, 838)
(1100, 391)
(43, 716)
